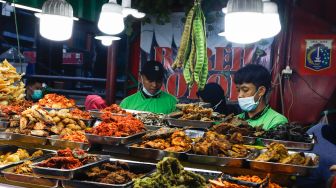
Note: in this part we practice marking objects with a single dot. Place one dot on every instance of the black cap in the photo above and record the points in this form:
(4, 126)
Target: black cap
(153, 70)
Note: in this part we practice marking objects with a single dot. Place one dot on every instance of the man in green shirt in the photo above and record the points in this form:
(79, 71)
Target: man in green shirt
(150, 98)
(253, 83)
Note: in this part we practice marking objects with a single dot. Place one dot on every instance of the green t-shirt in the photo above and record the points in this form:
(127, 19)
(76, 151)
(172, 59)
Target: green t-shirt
(164, 103)
(268, 118)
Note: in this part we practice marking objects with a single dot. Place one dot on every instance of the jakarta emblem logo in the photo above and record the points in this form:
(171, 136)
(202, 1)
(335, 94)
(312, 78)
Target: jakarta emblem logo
(318, 54)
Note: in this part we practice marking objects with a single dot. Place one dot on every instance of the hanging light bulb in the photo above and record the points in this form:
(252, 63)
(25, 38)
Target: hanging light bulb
(242, 21)
(107, 40)
(127, 10)
(111, 19)
(271, 19)
(56, 20)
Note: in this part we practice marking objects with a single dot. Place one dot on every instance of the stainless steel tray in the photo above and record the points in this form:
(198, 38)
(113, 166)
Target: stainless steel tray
(136, 167)
(4, 125)
(189, 123)
(97, 114)
(290, 144)
(215, 160)
(29, 179)
(207, 174)
(9, 148)
(110, 140)
(23, 138)
(57, 142)
(289, 169)
(62, 174)
(154, 154)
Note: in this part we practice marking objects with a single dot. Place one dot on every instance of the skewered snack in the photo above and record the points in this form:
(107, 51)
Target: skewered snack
(150, 119)
(111, 173)
(170, 173)
(176, 141)
(215, 144)
(67, 159)
(19, 155)
(115, 109)
(119, 126)
(279, 154)
(75, 136)
(24, 168)
(56, 101)
(11, 88)
(77, 113)
(39, 122)
(220, 183)
(194, 112)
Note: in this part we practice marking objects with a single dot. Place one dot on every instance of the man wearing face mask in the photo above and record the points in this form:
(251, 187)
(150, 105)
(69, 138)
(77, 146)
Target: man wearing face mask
(150, 98)
(33, 90)
(253, 83)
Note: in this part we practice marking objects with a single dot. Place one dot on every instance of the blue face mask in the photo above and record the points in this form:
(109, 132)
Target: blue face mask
(37, 94)
(248, 104)
(148, 93)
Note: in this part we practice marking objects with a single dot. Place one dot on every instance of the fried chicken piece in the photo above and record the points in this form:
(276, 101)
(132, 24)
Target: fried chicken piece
(37, 153)
(295, 159)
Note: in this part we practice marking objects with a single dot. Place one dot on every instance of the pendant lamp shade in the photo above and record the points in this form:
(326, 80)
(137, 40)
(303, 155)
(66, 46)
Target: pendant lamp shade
(56, 20)
(111, 19)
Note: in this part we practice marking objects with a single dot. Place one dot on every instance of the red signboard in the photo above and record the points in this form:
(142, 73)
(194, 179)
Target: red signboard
(72, 58)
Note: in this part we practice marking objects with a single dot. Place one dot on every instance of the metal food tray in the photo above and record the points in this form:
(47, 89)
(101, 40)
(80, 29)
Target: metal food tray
(207, 174)
(57, 142)
(289, 169)
(29, 179)
(23, 138)
(97, 114)
(290, 144)
(111, 140)
(189, 123)
(13, 149)
(156, 154)
(136, 167)
(62, 174)
(216, 160)
(3, 125)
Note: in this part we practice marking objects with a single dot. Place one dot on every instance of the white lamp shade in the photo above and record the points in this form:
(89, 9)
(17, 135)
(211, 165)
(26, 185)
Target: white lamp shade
(270, 19)
(55, 27)
(111, 23)
(243, 27)
(111, 19)
(107, 40)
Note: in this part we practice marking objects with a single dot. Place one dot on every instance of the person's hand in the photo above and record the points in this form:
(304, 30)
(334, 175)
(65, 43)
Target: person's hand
(333, 168)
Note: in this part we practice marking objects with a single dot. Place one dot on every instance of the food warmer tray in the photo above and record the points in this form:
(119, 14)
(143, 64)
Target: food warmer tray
(3, 125)
(55, 140)
(156, 154)
(13, 149)
(290, 144)
(29, 179)
(137, 167)
(289, 169)
(216, 160)
(189, 123)
(62, 174)
(23, 138)
(111, 140)
(97, 114)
